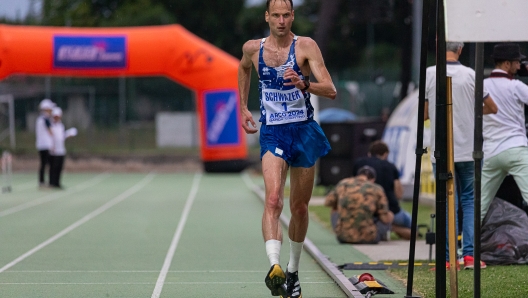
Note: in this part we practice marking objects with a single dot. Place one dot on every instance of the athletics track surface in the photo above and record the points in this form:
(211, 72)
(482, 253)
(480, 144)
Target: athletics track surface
(139, 235)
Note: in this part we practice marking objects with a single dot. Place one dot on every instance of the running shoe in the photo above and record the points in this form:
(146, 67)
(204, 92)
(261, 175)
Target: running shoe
(469, 263)
(275, 281)
(293, 287)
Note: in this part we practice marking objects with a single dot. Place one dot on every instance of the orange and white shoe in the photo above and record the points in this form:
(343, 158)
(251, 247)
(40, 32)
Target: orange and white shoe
(469, 263)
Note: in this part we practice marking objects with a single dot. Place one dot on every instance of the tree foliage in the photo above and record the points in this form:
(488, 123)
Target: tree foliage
(228, 24)
(105, 13)
(360, 39)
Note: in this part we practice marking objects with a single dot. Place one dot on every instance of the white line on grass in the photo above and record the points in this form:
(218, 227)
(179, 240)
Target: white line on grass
(54, 196)
(83, 220)
(176, 238)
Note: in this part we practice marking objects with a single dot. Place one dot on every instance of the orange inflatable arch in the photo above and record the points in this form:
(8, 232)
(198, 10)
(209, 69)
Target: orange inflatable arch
(169, 50)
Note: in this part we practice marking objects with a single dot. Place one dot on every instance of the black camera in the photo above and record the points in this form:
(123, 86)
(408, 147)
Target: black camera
(523, 71)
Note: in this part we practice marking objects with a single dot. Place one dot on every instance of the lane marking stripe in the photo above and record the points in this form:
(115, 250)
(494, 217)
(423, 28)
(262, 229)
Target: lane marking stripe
(54, 196)
(83, 220)
(174, 243)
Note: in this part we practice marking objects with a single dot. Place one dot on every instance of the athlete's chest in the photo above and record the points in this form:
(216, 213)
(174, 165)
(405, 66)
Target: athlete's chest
(274, 57)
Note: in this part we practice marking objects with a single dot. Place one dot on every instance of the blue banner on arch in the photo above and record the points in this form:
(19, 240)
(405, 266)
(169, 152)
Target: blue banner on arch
(104, 52)
(221, 118)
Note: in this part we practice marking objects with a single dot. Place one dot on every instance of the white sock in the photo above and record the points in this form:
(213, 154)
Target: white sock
(273, 251)
(295, 255)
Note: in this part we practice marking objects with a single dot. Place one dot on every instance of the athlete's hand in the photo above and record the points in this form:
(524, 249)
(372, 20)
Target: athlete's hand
(246, 117)
(294, 79)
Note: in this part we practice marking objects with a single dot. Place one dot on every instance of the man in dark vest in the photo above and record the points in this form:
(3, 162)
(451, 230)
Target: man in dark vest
(389, 178)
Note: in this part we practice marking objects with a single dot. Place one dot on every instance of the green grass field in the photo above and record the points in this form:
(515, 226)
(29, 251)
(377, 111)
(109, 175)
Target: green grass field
(496, 281)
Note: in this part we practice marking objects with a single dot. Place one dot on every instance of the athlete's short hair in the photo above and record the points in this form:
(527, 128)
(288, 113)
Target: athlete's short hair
(378, 148)
(453, 46)
(268, 2)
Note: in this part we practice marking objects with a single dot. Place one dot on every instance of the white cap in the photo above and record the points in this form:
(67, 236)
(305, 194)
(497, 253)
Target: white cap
(46, 104)
(56, 112)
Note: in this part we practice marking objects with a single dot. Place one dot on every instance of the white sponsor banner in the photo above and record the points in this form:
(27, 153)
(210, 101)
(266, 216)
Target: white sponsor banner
(486, 20)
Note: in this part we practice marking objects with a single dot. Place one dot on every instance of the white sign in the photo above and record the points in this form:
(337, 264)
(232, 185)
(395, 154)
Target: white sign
(486, 20)
(400, 135)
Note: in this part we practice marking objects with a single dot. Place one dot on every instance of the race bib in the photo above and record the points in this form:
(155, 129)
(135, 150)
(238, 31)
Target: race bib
(284, 106)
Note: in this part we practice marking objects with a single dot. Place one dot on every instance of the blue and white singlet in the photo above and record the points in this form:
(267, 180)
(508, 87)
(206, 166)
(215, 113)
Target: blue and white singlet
(281, 104)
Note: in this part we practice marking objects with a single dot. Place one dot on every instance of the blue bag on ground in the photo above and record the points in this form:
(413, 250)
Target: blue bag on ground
(504, 234)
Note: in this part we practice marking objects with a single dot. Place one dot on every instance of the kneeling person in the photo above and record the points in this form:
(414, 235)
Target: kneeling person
(360, 211)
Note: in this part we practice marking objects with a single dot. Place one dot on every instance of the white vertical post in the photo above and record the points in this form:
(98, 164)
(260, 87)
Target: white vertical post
(314, 99)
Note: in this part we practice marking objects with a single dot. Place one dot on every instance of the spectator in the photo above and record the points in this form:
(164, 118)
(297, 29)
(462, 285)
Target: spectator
(505, 143)
(463, 94)
(360, 212)
(43, 135)
(58, 152)
(388, 177)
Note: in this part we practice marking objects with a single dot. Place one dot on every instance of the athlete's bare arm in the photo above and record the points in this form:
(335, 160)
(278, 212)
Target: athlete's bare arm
(249, 50)
(311, 62)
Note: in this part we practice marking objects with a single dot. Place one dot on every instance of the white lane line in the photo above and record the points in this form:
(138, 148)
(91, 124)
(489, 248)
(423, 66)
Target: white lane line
(176, 238)
(54, 196)
(149, 283)
(83, 220)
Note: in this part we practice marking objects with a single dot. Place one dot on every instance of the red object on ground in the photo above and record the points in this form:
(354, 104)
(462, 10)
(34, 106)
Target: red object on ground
(366, 277)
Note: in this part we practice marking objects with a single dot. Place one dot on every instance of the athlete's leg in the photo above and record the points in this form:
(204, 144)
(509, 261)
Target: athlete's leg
(274, 170)
(301, 186)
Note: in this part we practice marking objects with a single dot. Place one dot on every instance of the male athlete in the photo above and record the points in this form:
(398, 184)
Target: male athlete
(289, 137)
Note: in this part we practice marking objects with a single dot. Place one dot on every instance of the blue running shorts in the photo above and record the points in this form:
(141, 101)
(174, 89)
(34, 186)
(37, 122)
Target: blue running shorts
(300, 144)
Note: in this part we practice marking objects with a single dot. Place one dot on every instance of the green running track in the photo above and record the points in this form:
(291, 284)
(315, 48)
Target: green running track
(139, 235)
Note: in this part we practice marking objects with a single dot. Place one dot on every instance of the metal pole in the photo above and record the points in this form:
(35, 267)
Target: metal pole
(416, 42)
(478, 156)
(453, 261)
(122, 100)
(122, 109)
(419, 147)
(441, 151)
(47, 84)
(91, 108)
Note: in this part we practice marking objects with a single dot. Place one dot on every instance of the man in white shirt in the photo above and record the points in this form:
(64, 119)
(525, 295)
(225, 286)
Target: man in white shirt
(505, 143)
(463, 94)
(44, 141)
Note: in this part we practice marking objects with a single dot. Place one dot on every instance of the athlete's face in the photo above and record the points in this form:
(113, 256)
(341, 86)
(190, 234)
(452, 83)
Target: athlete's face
(280, 17)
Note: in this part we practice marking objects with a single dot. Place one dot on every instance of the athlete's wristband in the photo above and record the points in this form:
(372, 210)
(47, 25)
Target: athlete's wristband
(306, 85)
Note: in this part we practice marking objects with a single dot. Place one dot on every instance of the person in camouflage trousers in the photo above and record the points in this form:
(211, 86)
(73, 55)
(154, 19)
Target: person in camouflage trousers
(360, 210)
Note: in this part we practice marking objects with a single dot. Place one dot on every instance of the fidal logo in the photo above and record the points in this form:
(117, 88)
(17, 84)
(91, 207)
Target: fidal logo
(89, 52)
